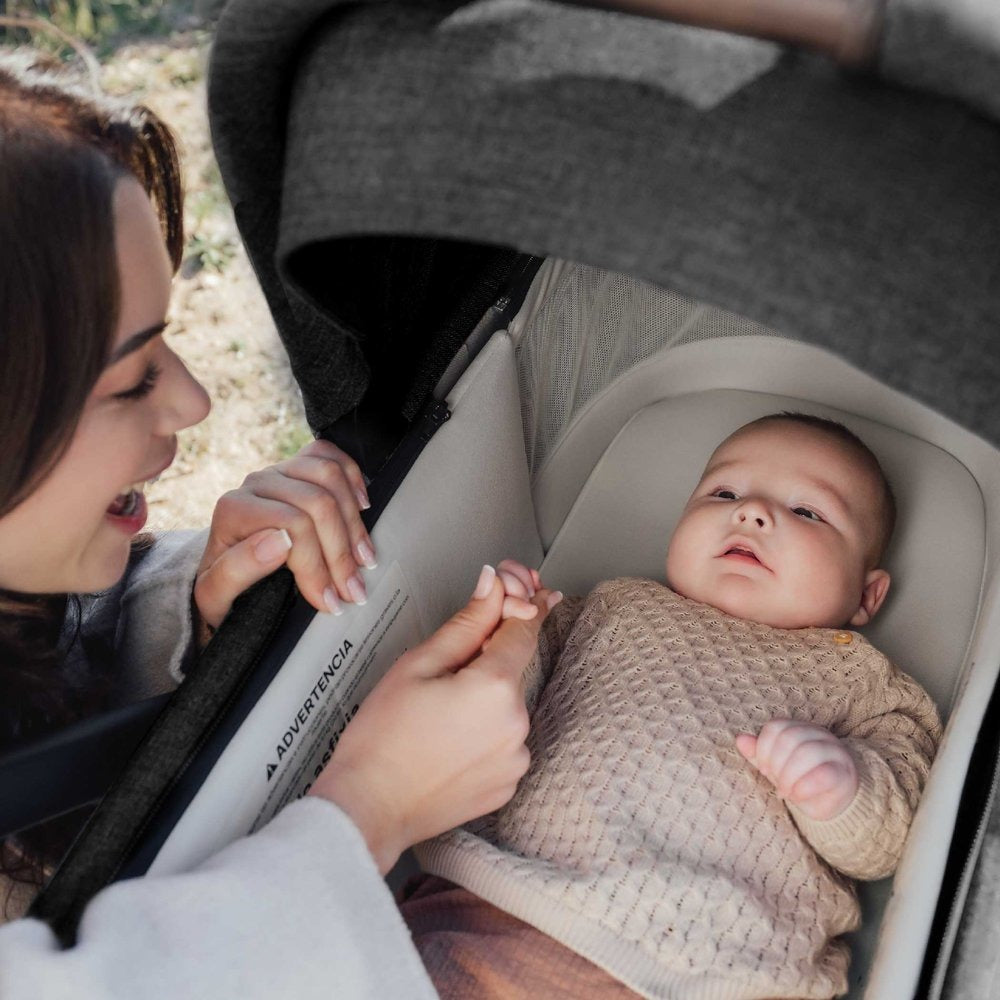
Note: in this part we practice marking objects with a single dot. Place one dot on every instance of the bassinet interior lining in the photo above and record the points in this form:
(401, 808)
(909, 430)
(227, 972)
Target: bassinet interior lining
(616, 434)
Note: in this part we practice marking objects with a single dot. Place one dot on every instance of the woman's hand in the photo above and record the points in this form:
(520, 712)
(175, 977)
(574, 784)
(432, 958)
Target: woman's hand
(440, 740)
(304, 512)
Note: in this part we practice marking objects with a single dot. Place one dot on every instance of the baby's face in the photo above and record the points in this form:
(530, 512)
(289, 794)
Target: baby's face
(780, 531)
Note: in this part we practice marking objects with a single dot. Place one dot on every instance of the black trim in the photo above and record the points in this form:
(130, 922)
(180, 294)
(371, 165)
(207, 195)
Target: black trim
(971, 809)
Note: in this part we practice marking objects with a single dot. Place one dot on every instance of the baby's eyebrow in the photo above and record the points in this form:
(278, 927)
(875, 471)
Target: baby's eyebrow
(829, 492)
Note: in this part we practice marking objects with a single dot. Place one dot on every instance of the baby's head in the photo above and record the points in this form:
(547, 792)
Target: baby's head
(787, 527)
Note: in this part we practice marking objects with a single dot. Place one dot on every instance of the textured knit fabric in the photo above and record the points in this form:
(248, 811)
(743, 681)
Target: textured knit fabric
(642, 839)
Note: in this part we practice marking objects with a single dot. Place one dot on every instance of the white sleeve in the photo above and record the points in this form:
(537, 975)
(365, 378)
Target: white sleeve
(297, 910)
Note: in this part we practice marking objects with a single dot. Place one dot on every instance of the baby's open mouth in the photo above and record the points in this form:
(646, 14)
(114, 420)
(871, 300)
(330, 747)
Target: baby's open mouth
(738, 550)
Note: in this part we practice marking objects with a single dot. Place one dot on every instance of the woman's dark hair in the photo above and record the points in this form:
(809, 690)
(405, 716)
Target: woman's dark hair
(62, 151)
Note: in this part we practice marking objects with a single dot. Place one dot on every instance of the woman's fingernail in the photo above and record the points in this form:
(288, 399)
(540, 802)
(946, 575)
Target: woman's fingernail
(367, 555)
(485, 583)
(273, 546)
(356, 588)
(553, 599)
(331, 602)
(363, 500)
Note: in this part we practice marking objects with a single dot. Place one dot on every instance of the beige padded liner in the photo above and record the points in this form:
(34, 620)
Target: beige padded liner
(614, 461)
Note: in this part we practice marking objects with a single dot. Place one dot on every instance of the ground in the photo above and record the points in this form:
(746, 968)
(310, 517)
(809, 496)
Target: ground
(219, 322)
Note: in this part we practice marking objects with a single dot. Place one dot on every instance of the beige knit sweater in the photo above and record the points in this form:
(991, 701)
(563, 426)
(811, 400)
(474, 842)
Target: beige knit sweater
(643, 840)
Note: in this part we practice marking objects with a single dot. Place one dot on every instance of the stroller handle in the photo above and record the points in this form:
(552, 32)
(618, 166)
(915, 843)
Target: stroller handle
(847, 30)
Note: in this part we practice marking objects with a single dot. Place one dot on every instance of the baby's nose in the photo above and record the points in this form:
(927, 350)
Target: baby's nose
(756, 518)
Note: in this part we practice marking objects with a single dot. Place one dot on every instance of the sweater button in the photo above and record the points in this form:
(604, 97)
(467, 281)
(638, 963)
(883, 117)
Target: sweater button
(843, 638)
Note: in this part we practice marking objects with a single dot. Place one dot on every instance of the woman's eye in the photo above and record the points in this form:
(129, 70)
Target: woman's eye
(806, 512)
(725, 495)
(145, 386)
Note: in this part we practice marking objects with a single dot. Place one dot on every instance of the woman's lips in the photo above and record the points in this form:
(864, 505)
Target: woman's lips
(128, 512)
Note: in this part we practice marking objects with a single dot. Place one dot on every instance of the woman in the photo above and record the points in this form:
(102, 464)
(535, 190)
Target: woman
(91, 397)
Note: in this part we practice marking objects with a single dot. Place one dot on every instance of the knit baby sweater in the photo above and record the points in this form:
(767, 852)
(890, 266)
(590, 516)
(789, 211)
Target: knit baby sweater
(643, 840)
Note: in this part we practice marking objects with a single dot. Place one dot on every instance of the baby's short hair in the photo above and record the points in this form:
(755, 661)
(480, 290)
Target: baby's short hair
(887, 514)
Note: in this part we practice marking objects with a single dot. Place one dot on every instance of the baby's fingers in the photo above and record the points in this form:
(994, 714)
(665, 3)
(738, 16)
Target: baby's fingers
(816, 781)
(517, 579)
(825, 791)
(807, 757)
(747, 745)
(517, 607)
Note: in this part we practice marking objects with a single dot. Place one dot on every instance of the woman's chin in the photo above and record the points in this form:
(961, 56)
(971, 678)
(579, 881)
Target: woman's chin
(103, 566)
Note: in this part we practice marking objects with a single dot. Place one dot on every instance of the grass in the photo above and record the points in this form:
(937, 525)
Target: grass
(293, 440)
(104, 25)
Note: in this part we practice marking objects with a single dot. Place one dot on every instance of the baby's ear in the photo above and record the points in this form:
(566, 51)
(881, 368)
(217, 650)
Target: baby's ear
(876, 587)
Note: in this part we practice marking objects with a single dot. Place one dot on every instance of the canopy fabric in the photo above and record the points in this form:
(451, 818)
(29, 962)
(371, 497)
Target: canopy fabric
(945, 46)
(379, 155)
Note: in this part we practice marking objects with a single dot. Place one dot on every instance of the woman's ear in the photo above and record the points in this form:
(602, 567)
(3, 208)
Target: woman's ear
(876, 587)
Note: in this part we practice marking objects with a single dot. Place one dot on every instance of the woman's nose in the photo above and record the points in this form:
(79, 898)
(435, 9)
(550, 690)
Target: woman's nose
(753, 513)
(185, 403)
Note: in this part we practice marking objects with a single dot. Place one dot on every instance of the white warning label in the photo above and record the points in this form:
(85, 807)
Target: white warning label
(292, 731)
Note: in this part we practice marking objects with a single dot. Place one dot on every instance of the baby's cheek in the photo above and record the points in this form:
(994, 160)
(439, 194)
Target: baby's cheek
(678, 564)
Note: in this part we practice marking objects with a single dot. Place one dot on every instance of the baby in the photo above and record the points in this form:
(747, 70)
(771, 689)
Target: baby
(711, 760)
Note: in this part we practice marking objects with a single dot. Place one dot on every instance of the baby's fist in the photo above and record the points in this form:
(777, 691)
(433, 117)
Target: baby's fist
(519, 584)
(808, 766)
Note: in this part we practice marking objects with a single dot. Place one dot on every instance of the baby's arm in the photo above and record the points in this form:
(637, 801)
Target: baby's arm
(890, 756)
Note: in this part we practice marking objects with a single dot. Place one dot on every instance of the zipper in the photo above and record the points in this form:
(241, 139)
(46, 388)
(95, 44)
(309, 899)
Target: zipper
(960, 895)
(383, 486)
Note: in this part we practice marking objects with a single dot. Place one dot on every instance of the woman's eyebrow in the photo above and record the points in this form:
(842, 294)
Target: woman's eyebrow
(135, 342)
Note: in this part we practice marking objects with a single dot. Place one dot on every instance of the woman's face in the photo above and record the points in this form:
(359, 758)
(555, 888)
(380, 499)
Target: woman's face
(73, 533)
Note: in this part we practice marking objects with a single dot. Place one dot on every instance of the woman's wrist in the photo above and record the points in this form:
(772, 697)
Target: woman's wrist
(361, 803)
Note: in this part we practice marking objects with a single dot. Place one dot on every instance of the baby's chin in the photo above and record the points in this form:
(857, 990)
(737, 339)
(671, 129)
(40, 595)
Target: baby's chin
(748, 607)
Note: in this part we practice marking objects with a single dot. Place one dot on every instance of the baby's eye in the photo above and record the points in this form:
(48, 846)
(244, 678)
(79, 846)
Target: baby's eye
(725, 494)
(806, 512)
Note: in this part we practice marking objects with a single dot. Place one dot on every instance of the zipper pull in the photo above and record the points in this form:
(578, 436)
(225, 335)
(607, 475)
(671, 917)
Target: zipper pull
(437, 415)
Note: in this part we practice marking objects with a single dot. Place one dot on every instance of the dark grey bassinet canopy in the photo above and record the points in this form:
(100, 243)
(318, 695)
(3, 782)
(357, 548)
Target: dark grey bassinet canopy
(388, 161)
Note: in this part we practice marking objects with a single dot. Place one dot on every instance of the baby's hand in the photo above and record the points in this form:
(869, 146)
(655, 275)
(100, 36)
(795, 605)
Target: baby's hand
(807, 764)
(520, 585)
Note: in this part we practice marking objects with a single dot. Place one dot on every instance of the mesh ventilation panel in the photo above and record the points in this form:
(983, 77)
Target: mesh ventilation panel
(592, 327)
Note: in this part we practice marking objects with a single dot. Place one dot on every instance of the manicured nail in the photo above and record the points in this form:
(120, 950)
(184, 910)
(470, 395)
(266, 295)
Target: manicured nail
(367, 555)
(356, 588)
(331, 602)
(363, 502)
(273, 546)
(553, 599)
(485, 582)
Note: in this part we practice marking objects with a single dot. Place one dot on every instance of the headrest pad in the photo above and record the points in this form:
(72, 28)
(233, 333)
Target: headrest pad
(624, 515)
